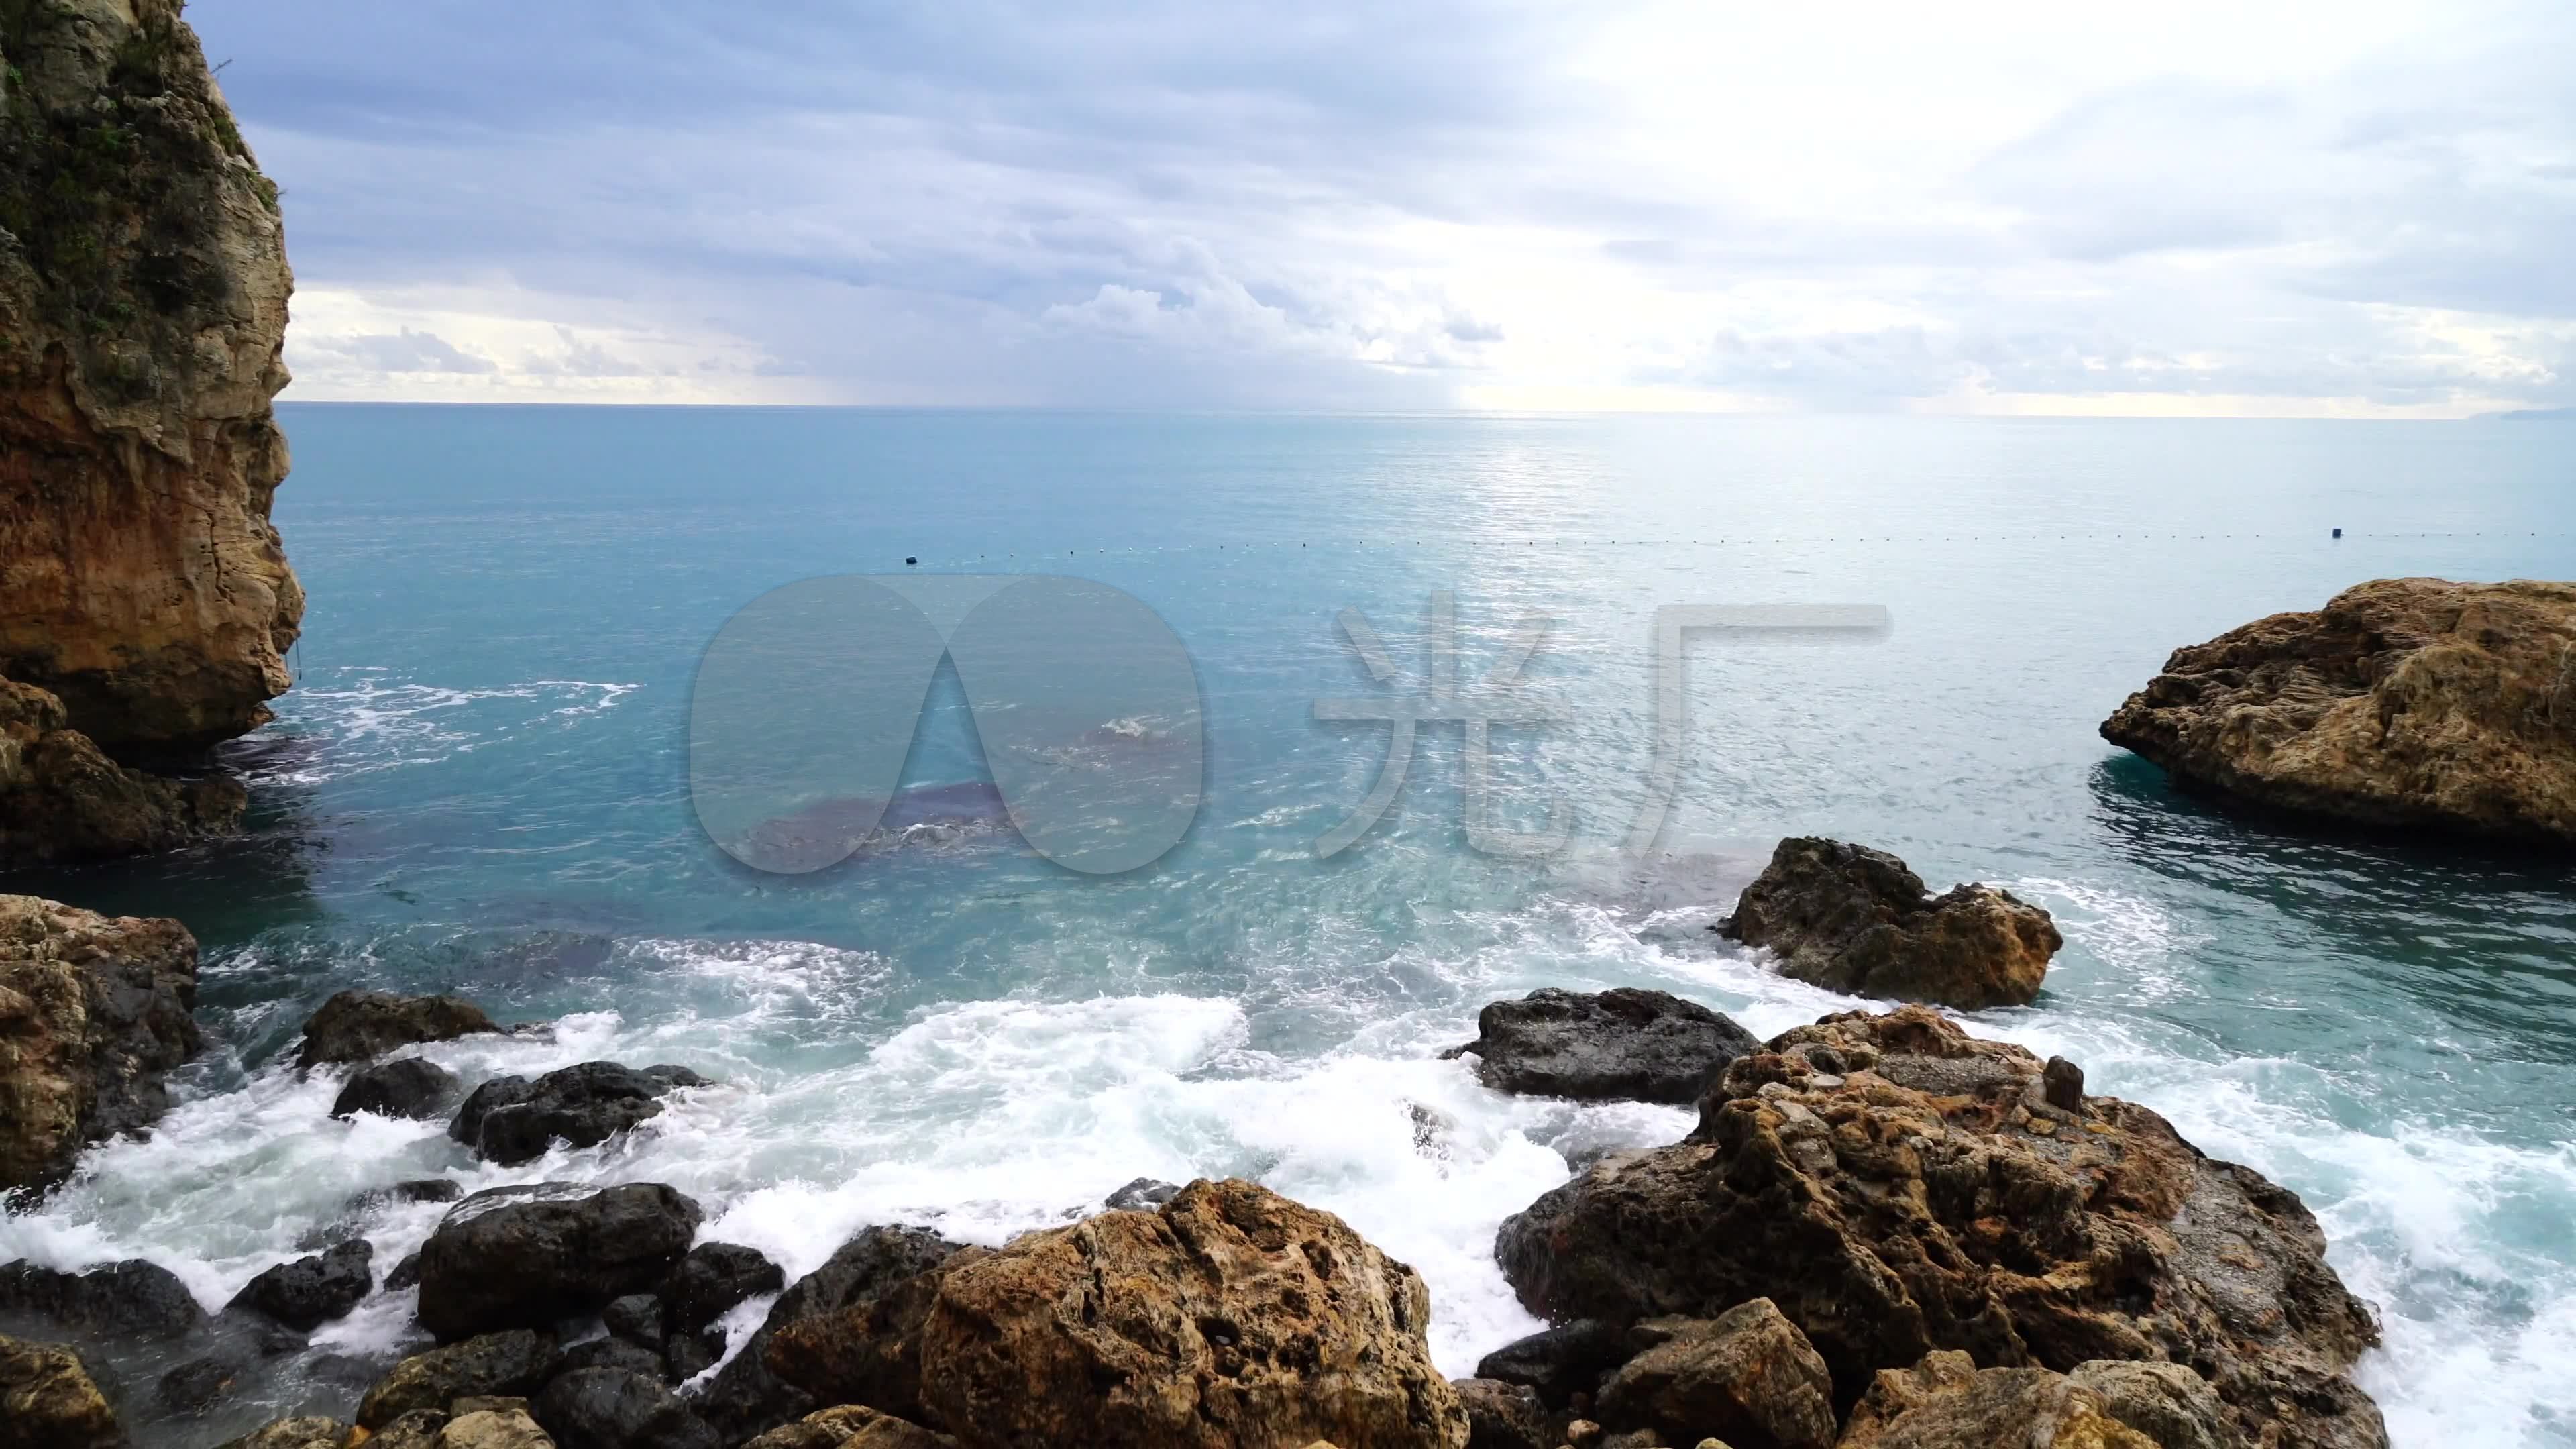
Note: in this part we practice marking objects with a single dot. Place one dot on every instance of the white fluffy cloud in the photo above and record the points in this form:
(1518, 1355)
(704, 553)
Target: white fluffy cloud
(2356, 208)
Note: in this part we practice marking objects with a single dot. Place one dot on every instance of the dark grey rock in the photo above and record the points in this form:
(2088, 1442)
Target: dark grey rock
(1141, 1195)
(637, 1318)
(309, 1292)
(357, 1026)
(494, 1365)
(712, 1279)
(603, 1408)
(510, 1120)
(196, 1386)
(404, 1087)
(132, 1299)
(1623, 1045)
(614, 1353)
(1506, 1416)
(524, 1258)
(745, 1398)
(405, 1274)
(1559, 1362)
(687, 1355)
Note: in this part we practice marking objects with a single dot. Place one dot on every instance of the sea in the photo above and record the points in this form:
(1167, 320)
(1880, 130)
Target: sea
(1453, 724)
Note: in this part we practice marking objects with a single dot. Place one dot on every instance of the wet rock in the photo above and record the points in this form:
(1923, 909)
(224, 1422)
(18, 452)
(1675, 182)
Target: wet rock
(712, 1279)
(132, 1299)
(516, 1362)
(510, 1120)
(1229, 1317)
(2062, 1083)
(357, 1026)
(509, 1259)
(745, 1398)
(1896, 1186)
(687, 1355)
(62, 798)
(2164, 1401)
(1141, 1195)
(1853, 919)
(94, 1011)
(424, 1189)
(1946, 1402)
(196, 1386)
(411, 1087)
(1622, 1045)
(1747, 1376)
(404, 1274)
(620, 1354)
(47, 1400)
(2415, 704)
(310, 1432)
(851, 1426)
(1560, 1362)
(637, 1318)
(601, 1408)
(494, 1429)
(1505, 1416)
(419, 1429)
(309, 1292)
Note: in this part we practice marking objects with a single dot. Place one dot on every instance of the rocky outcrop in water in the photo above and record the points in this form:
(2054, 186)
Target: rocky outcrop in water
(1897, 1187)
(1853, 919)
(2417, 704)
(516, 1257)
(358, 1026)
(1228, 1317)
(745, 1397)
(309, 1292)
(1625, 1044)
(511, 1120)
(93, 1011)
(143, 295)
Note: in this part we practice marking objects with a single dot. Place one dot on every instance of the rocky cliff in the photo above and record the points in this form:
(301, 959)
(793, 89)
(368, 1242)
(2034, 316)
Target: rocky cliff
(2411, 703)
(93, 1010)
(143, 292)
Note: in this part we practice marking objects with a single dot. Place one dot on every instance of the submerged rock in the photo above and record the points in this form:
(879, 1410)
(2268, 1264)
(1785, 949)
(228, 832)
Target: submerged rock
(745, 1398)
(1625, 1044)
(1896, 1186)
(94, 1010)
(513, 1258)
(1853, 919)
(404, 1087)
(47, 1400)
(1229, 1317)
(309, 1292)
(1947, 1402)
(2412, 703)
(132, 1299)
(510, 1120)
(357, 1026)
(143, 278)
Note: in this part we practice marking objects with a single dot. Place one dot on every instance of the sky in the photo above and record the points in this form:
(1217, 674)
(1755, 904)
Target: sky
(2362, 208)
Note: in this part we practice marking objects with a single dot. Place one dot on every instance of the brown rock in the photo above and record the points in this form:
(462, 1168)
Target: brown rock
(2164, 1401)
(1230, 1316)
(1879, 1179)
(1947, 1402)
(851, 1426)
(356, 1026)
(62, 799)
(494, 1429)
(308, 1432)
(1505, 1416)
(93, 1010)
(1854, 919)
(1747, 1376)
(2410, 703)
(48, 1402)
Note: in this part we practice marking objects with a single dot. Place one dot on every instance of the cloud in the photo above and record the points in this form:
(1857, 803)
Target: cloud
(2356, 207)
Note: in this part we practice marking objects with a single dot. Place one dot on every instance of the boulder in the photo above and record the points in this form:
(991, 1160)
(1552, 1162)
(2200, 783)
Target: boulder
(637, 1318)
(712, 1280)
(1853, 919)
(63, 799)
(1896, 1186)
(47, 1400)
(603, 1408)
(510, 1120)
(1141, 1194)
(1505, 1416)
(132, 1299)
(519, 1258)
(419, 1429)
(94, 1010)
(745, 1398)
(309, 1292)
(623, 1355)
(1747, 1376)
(197, 1385)
(1561, 1361)
(851, 1426)
(2415, 704)
(687, 1355)
(2164, 1401)
(514, 1362)
(412, 1087)
(357, 1026)
(494, 1429)
(1947, 1402)
(1229, 1317)
(307, 1432)
(1626, 1044)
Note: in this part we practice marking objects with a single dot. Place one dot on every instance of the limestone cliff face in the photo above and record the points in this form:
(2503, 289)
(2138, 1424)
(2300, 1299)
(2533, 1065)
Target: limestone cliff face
(143, 292)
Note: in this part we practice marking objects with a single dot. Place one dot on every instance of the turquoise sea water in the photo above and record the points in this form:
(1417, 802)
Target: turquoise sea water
(480, 783)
